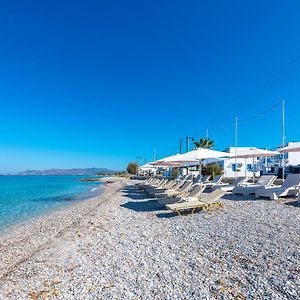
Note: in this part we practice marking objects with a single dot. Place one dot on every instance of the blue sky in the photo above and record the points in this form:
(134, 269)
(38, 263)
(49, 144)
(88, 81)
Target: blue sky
(97, 83)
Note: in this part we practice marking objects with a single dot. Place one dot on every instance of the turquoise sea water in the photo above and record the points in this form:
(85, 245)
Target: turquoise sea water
(23, 197)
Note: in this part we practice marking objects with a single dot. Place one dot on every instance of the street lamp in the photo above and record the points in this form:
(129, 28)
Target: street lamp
(188, 139)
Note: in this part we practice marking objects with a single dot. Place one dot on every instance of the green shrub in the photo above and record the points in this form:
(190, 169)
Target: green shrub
(174, 173)
(132, 168)
(213, 169)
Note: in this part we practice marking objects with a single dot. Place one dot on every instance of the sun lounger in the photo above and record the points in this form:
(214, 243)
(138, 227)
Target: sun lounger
(203, 203)
(197, 178)
(146, 183)
(205, 179)
(172, 184)
(189, 177)
(215, 181)
(250, 189)
(290, 188)
(175, 191)
(159, 184)
(229, 187)
(192, 194)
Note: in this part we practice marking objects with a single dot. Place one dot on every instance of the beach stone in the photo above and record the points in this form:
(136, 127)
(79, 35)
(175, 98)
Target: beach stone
(123, 245)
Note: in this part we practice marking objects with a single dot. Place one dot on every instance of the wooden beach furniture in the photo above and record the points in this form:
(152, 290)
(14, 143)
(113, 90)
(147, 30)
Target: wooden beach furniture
(203, 203)
(290, 188)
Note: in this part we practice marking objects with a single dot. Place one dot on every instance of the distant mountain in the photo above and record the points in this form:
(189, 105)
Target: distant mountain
(88, 171)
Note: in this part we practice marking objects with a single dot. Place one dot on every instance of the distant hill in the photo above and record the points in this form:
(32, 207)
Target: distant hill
(88, 171)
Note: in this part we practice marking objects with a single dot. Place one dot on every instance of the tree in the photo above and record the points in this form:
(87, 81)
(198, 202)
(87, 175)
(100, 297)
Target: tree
(204, 143)
(213, 169)
(132, 168)
(174, 173)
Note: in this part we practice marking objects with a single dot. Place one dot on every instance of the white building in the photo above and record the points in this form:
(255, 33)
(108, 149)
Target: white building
(240, 166)
(292, 162)
(293, 158)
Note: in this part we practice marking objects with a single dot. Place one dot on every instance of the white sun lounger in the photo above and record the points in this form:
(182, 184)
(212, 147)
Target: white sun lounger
(250, 189)
(290, 188)
(215, 181)
(229, 187)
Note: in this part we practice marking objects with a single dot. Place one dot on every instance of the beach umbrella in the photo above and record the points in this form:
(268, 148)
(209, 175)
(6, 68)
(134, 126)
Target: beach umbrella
(255, 152)
(198, 155)
(147, 166)
(201, 154)
(169, 161)
(287, 149)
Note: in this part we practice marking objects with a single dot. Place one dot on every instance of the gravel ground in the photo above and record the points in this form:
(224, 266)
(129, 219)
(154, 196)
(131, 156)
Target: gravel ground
(122, 245)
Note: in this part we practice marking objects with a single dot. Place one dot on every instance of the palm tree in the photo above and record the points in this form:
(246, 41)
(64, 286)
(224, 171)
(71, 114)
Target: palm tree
(204, 143)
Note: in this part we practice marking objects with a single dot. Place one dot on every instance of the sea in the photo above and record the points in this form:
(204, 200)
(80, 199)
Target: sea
(26, 197)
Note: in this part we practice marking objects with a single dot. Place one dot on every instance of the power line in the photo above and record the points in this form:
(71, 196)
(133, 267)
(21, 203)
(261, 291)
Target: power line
(270, 109)
(284, 75)
(260, 114)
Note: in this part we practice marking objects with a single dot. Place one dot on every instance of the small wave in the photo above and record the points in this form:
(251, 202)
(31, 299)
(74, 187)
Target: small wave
(94, 189)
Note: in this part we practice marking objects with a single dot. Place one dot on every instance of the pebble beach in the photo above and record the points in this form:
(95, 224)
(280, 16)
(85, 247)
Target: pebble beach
(125, 245)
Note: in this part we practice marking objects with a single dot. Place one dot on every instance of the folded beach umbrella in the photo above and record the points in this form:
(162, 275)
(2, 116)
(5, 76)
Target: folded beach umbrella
(255, 152)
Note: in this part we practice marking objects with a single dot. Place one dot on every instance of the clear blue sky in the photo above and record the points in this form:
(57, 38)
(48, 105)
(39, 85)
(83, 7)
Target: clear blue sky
(96, 83)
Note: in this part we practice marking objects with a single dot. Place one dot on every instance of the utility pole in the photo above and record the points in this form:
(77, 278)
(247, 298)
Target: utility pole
(188, 138)
(154, 155)
(236, 143)
(180, 146)
(283, 136)
(187, 144)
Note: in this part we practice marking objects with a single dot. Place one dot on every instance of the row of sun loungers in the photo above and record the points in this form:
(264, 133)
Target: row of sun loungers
(184, 194)
(290, 188)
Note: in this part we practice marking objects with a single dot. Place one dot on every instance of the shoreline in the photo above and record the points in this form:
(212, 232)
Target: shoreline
(17, 234)
(64, 203)
(123, 245)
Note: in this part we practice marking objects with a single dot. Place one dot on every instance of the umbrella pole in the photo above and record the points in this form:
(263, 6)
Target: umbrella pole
(253, 169)
(200, 167)
(245, 167)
